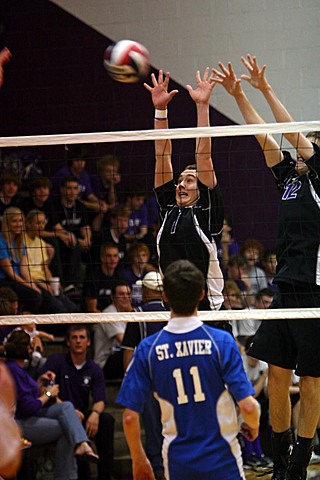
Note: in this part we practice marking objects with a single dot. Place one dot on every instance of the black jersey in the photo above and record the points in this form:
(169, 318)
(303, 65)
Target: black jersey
(298, 240)
(192, 233)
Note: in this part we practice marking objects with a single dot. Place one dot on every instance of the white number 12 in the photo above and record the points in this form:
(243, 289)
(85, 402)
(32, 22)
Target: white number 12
(198, 396)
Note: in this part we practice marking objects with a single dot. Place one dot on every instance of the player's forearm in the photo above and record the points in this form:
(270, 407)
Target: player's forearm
(250, 411)
(163, 151)
(131, 427)
(281, 115)
(268, 144)
(203, 156)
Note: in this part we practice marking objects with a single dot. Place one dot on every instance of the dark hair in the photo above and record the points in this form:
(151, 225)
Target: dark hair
(76, 327)
(264, 292)
(67, 180)
(268, 253)
(119, 283)
(108, 246)
(190, 167)
(39, 182)
(8, 294)
(237, 260)
(120, 211)
(8, 177)
(135, 189)
(108, 159)
(75, 152)
(6, 307)
(17, 346)
(34, 213)
(183, 284)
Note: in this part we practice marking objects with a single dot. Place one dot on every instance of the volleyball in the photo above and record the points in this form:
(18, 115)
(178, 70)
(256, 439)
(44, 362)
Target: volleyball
(127, 61)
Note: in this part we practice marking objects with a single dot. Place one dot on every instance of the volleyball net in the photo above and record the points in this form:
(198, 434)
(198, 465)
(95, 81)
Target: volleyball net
(250, 196)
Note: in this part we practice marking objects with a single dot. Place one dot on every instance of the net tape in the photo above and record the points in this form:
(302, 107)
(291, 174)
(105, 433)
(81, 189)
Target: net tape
(175, 133)
(222, 315)
(140, 135)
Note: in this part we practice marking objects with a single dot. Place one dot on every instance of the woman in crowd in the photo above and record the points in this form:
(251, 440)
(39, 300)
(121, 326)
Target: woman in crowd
(42, 417)
(14, 272)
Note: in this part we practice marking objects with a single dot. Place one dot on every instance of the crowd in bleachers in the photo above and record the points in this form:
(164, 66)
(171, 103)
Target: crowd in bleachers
(77, 243)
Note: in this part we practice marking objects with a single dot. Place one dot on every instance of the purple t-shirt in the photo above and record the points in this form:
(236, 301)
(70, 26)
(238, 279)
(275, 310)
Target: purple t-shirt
(28, 404)
(76, 385)
(85, 187)
(137, 219)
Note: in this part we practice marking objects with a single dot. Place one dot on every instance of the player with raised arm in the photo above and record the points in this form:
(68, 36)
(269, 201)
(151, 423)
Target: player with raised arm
(294, 343)
(5, 56)
(196, 373)
(191, 209)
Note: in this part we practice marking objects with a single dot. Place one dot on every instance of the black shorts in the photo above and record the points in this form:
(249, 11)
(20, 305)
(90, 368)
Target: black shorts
(291, 344)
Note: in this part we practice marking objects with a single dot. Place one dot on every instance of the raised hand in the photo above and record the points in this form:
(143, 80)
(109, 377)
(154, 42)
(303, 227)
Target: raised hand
(5, 56)
(257, 75)
(228, 79)
(204, 87)
(159, 92)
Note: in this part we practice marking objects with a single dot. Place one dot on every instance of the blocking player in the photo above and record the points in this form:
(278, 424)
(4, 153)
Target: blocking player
(294, 343)
(191, 209)
(5, 56)
(196, 373)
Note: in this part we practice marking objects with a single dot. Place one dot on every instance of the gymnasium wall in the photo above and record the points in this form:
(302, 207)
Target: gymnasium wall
(184, 35)
(56, 83)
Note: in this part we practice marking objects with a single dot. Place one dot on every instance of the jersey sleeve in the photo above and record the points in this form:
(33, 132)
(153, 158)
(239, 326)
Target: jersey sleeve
(211, 199)
(233, 371)
(283, 170)
(136, 385)
(314, 162)
(165, 195)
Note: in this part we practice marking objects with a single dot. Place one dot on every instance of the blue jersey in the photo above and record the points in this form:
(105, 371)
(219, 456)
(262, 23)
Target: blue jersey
(196, 372)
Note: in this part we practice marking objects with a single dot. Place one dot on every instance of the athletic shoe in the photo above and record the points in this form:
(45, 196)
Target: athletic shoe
(258, 464)
(295, 472)
(279, 475)
(316, 449)
(314, 458)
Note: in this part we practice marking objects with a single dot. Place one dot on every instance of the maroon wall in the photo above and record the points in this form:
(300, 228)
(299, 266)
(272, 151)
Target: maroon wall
(55, 83)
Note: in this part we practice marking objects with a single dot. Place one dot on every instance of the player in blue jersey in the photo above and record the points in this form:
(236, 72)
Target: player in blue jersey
(196, 373)
(295, 343)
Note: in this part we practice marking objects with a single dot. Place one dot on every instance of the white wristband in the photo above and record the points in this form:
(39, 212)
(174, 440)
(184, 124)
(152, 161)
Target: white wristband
(161, 114)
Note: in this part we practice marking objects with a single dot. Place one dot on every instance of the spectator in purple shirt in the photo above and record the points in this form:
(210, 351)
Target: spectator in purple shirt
(75, 167)
(42, 421)
(79, 377)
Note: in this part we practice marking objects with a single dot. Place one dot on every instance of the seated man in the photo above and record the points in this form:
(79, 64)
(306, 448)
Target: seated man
(73, 231)
(108, 336)
(76, 163)
(98, 282)
(9, 186)
(78, 378)
(114, 234)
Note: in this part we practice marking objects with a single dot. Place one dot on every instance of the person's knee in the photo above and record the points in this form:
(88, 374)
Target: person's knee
(309, 386)
(66, 407)
(279, 380)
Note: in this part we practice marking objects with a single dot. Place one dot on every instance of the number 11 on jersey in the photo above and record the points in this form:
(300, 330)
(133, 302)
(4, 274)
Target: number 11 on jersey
(182, 397)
